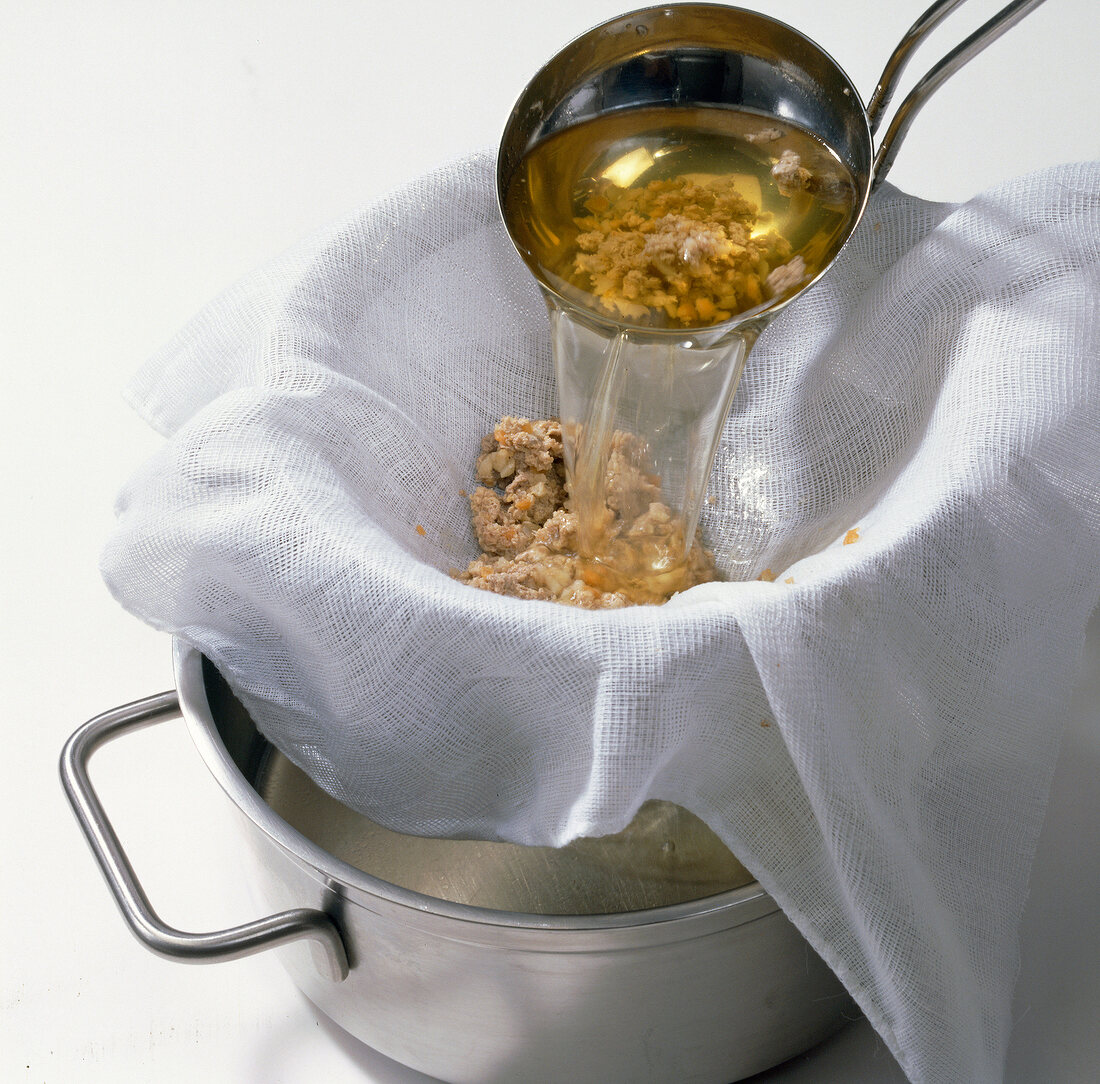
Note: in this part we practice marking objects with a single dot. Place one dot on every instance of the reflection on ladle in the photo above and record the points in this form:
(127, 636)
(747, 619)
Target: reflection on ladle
(670, 198)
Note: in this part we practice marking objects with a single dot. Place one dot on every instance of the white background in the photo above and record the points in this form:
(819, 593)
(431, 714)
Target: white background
(154, 152)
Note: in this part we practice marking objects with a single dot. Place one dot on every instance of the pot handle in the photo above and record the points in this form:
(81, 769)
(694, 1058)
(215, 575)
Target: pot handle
(1006, 18)
(142, 919)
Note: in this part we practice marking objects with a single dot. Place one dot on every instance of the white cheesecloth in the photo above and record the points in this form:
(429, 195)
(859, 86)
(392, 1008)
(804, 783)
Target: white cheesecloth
(874, 740)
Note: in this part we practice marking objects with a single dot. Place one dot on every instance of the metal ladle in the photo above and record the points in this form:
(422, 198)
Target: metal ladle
(672, 388)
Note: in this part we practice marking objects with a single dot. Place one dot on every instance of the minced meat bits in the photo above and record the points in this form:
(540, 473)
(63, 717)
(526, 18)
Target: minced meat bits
(688, 248)
(527, 530)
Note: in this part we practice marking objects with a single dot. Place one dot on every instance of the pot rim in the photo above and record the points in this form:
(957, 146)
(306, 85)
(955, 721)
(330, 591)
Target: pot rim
(187, 660)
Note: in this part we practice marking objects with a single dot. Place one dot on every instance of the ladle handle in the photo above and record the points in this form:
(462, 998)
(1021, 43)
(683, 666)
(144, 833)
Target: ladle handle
(146, 925)
(888, 148)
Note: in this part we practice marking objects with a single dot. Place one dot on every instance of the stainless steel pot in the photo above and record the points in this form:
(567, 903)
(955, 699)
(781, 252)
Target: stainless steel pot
(709, 988)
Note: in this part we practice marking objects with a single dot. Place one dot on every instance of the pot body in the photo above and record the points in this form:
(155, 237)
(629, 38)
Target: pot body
(703, 992)
(707, 998)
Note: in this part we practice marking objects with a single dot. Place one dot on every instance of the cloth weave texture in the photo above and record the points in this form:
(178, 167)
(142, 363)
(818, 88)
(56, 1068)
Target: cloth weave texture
(874, 739)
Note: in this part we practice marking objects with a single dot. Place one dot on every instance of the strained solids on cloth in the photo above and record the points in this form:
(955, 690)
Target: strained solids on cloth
(527, 530)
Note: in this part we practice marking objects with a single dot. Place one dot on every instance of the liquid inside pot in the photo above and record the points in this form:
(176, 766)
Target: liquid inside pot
(665, 856)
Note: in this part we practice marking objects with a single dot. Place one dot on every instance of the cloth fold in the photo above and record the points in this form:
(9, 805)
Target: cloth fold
(912, 454)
